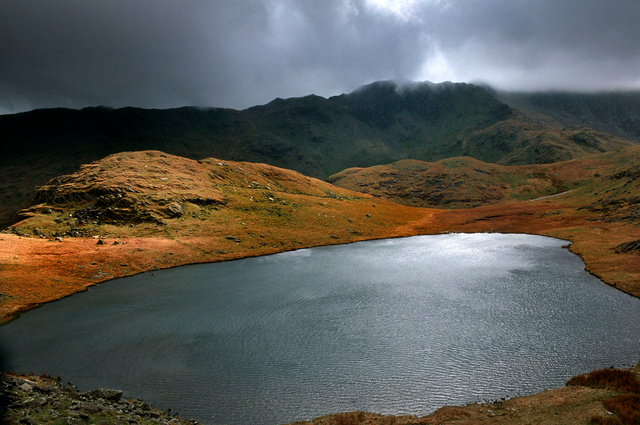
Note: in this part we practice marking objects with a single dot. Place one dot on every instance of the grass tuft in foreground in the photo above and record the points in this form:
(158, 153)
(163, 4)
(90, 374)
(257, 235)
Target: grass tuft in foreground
(624, 409)
(614, 379)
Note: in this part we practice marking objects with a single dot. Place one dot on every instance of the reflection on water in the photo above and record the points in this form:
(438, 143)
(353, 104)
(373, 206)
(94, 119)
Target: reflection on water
(391, 326)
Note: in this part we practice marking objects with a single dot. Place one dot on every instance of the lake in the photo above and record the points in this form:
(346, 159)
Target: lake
(395, 326)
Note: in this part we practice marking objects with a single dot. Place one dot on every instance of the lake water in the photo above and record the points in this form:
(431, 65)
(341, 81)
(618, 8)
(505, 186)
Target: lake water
(392, 326)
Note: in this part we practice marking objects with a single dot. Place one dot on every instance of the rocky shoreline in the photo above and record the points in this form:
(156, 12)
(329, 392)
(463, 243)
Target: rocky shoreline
(36, 400)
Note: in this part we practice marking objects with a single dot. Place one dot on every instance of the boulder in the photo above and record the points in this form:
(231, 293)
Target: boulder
(26, 387)
(107, 394)
(34, 402)
(629, 247)
(174, 210)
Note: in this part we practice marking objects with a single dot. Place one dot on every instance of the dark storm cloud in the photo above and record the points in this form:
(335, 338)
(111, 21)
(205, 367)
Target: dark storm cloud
(83, 52)
(572, 44)
(238, 53)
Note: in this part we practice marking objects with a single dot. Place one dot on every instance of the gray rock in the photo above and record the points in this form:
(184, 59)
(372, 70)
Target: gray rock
(107, 394)
(83, 415)
(90, 408)
(34, 402)
(71, 389)
(27, 387)
(174, 210)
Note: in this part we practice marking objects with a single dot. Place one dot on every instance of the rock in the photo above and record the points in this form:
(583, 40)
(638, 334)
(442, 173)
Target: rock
(83, 415)
(628, 247)
(90, 408)
(174, 210)
(232, 238)
(71, 389)
(100, 242)
(34, 402)
(26, 387)
(63, 405)
(107, 394)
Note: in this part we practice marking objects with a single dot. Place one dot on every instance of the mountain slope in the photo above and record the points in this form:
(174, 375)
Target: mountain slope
(607, 183)
(617, 113)
(377, 124)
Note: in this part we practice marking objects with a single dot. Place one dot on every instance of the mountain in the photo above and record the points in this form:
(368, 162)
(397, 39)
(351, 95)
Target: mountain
(617, 113)
(313, 135)
(376, 124)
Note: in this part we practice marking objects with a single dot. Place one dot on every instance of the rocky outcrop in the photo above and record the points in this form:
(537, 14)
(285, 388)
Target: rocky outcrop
(629, 247)
(36, 400)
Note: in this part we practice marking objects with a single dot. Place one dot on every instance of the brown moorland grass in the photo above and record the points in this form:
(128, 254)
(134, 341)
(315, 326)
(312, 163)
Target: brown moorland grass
(613, 379)
(626, 407)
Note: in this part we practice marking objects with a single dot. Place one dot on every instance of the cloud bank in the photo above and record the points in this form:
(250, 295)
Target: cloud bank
(228, 53)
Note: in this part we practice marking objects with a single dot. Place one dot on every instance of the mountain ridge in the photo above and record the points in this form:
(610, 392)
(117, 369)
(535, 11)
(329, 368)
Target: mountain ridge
(376, 124)
(615, 112)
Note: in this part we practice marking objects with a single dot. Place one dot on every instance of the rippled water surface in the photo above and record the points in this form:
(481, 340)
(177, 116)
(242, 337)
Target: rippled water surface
(391, 326)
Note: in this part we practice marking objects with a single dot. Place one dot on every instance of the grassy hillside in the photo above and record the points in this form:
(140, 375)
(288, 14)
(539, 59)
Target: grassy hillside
(607, 180)
(377, 124)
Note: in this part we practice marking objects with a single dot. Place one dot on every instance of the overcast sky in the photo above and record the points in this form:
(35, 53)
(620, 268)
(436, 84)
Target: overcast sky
(239, 53)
